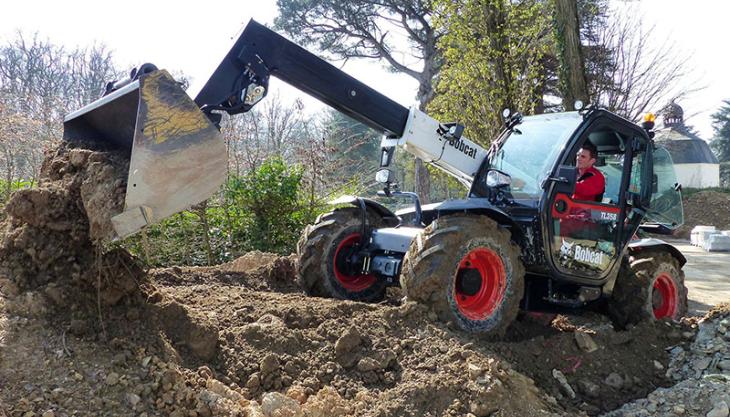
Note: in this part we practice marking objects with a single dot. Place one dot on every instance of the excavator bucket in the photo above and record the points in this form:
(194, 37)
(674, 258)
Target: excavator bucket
(177, 157)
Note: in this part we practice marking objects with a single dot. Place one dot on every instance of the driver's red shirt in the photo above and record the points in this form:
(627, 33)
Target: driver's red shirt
(589, 185)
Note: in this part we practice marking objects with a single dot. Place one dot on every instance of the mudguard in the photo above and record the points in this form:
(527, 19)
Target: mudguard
(652, 243)
(390, 218)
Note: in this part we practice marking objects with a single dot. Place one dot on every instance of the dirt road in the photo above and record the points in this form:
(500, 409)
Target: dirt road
(707, 275)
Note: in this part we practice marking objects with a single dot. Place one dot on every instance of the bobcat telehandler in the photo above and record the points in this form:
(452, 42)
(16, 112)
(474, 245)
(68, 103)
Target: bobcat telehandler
(519, 238)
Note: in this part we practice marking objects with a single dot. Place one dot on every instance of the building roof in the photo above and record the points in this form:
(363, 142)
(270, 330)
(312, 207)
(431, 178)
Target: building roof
(683, 144)
(685, 150)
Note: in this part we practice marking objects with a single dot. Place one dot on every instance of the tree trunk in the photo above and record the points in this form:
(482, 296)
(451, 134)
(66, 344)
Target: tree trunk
(202, 212)
(422, 177)
(567, 38)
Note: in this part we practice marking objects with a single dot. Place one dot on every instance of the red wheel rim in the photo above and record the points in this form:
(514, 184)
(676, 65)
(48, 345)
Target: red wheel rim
(353, 283)
(664, 297)
(493, 283)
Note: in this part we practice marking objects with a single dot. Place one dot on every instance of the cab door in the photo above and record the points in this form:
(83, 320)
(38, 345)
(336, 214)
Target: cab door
(584, 238)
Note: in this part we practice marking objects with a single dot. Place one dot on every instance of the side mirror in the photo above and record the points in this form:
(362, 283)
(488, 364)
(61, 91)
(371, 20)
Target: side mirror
(386, 156)
(565, 181)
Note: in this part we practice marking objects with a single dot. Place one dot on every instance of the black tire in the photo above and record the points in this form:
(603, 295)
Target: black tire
(435, 267)
(317, 272)
(649, 287)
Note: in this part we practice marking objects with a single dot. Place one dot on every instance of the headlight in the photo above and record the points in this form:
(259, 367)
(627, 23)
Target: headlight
(498, 179)
(383, 176)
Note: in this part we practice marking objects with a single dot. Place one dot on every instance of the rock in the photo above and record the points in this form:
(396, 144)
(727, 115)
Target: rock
(701, 364)
(564, 386)
(254, 381)
(276, 404)
(678, 409)
(724, 365)
(269, 365)
(614, 380)
(347, 342)
(385, 358)
(112, 379)
(589, 388)
(78, 157)
(658, 365)
(133, 399)
(48, 413)
(481, 408)
(585, 342)
(367, 364)
(474, 371)
(720, 409)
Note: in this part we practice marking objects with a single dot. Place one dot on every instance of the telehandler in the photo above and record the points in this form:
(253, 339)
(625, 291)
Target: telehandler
(518, 240)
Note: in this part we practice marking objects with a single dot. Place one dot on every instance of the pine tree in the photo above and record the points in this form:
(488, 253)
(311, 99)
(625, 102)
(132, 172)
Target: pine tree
(721, 125)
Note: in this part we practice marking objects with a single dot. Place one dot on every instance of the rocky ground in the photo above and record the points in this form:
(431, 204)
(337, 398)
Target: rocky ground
(85, 330)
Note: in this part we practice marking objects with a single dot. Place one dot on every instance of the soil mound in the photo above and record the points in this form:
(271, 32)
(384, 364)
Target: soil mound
(709, 208)
(54, 233)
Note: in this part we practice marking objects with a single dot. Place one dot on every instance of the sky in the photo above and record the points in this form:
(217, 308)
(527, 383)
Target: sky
(192, 37)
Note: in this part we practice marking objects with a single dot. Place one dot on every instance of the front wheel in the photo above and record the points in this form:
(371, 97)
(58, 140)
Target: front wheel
(468, 270)
(323, 252)
(650, 287)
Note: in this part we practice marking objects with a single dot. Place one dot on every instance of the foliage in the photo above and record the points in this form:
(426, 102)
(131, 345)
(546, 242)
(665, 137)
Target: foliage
(492, 51)
(369, 29)
(270, 196)
(725, 175)
(40, 82)
(721, 125)
(9, 187)
(263, 210)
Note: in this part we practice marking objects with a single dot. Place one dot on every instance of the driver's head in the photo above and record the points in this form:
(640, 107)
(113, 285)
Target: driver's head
(586, 156)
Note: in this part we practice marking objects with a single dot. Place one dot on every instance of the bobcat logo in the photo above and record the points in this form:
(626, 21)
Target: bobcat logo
(566, 248)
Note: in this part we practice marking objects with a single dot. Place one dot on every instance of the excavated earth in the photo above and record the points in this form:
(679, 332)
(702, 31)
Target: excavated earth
(85, 330)
(706, 208)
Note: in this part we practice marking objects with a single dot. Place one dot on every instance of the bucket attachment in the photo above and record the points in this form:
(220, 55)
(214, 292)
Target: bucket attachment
(177, 156)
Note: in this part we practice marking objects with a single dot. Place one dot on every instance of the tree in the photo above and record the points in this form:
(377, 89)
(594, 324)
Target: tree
(721, 125)
(365, 29)
(263, 132)
(492, 51)
(39, 83)
(634, 72)
(569, 49)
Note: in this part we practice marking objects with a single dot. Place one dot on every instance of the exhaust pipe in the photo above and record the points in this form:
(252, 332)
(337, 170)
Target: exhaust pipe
(177, 155)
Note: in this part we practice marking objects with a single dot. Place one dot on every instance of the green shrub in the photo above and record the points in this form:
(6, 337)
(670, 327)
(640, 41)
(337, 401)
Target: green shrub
(264, 211)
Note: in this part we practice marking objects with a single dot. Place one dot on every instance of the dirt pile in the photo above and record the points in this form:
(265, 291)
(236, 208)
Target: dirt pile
(709, 208)
(53, 234)
(224, 342)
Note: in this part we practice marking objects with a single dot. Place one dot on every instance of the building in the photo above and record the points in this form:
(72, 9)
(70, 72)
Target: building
(694, 163)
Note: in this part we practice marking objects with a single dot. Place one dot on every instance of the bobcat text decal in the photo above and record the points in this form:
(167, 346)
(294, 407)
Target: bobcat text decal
(586, 255)
(464, 148)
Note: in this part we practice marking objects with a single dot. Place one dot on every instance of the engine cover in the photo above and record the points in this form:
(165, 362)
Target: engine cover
(393, 239)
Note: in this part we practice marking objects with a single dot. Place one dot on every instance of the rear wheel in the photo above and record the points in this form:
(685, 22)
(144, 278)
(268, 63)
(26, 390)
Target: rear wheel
(323, 252)
(650, 287)
(468, 270)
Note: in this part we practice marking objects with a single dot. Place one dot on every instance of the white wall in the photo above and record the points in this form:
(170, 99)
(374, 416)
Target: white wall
(698, 175)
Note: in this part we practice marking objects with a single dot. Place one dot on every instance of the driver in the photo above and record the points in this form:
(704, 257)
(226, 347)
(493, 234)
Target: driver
(590, 184)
